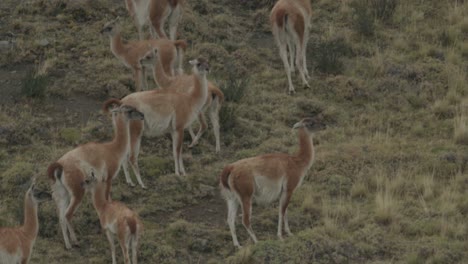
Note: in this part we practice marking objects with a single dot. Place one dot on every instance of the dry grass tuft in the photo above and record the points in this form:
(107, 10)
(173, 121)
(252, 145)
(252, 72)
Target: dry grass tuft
(461, 124)
(385, 202)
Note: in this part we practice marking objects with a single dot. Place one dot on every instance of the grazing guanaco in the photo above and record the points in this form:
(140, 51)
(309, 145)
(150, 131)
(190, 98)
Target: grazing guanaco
(183, 83)
(116, 219)
(290, 22)
(69, 171)
(16, 243)
(168, 112)
(130, 53)
(266, 178)
(160, 10)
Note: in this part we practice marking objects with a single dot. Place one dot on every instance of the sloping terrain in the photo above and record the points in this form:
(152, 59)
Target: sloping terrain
(389, 183)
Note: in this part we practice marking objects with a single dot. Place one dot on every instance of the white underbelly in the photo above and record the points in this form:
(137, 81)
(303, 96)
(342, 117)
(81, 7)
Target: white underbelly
(267, 190)
(157, 126)
(10, 258)
(112, 227)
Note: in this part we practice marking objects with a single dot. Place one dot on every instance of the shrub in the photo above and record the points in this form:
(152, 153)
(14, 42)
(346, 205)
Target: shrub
(34, 85)
(70, 135)
(366, 11)
(234, 88)
(327, 54)
(363, 20)
(227, 117)
(447, 37)
(383, 9)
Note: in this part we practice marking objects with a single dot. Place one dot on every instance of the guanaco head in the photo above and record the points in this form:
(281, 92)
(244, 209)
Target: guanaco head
(150, 58)
(38, 195)
(311, 124)
(130, 112)
(110, 28)
(200, 66)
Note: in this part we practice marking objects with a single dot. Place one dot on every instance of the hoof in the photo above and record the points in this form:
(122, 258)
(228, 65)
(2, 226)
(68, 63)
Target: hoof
(291, 92)
(131, 184)
(144, 187)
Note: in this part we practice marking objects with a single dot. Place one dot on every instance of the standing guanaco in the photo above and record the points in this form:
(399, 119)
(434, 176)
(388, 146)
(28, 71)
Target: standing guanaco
(160, 10)
(67, 173)
(138, 10)
(130, 53)
(168, 112)
(183, 83)
(116, 219)
(290, 22)
(16, 243)
(266, 178)
(157, 11)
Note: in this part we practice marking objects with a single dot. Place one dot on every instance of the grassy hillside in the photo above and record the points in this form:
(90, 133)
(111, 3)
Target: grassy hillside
(389, 183)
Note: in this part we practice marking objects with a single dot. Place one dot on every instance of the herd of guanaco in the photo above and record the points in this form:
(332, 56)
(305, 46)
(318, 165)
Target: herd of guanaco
(173, 107)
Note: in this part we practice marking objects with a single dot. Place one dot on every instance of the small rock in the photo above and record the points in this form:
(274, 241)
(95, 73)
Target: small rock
(42, 42)
(6, 44)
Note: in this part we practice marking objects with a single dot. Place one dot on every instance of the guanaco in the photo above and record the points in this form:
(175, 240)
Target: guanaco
(266, 178)
(116, 219)
(290, 22)
(159, 11)
(16, 243)
(167, 112)
(183, 83)
(138, 10)
(67, 173)
(129, 54)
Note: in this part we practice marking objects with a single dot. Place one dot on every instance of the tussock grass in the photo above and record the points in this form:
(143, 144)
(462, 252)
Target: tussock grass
(461, 124)
(243, 256)
(34, 85)
(461, 129)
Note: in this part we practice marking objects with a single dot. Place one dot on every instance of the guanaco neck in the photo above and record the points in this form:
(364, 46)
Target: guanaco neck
(99, 199)
(120, 143)
(116, 44)
(160, 75)
(30, 225)
(200, 89)
(306, 147)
